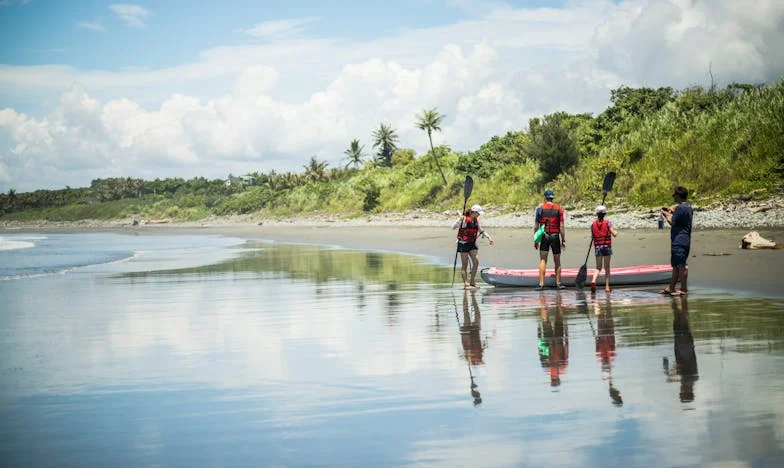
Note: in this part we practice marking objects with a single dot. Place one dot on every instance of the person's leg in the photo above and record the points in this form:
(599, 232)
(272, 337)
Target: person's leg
(607, 272)
(684, 278)
(674, 279)
(542, 265)
(596, 273)
(555, 244)
(464, 268)
(474, 256)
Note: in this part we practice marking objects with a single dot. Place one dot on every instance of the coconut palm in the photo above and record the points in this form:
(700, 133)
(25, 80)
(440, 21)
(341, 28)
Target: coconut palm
(354, 154)
(430, 121)
(314, 170)
(385, 139)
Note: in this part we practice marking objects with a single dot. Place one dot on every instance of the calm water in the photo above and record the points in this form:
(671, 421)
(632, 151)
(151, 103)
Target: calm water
(134, 351)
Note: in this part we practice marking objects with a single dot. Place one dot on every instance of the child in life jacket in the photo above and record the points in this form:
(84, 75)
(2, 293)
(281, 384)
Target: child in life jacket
(467, 235)
(602, 232)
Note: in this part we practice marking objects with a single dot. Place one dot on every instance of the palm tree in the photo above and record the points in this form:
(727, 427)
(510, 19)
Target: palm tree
(314, 170)
(385, 139)
(430, 121)
(354, 153)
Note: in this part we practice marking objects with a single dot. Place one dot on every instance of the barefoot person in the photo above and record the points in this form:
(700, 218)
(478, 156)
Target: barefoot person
(602, 232)
(679, 219)
(467, 234)
(551, 216)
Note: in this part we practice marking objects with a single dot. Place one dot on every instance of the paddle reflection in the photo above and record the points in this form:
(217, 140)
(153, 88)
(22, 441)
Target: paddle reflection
(471, 339)
(685, 369)
(553, 339)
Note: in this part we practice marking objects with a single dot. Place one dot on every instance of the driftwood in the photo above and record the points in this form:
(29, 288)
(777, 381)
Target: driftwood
(754, 241)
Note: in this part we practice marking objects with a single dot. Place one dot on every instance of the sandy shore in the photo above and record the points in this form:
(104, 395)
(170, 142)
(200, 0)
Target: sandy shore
(716, 259)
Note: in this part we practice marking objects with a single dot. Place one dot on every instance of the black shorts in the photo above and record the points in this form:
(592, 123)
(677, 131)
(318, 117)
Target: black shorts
(679, 256)
(551, 241)
(466, 246)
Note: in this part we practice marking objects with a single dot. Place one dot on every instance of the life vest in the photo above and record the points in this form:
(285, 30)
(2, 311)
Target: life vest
(551, 218)
(600, 232)
(469, 230)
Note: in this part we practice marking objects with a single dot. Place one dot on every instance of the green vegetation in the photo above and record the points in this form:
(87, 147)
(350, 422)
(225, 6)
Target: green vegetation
(716, 142)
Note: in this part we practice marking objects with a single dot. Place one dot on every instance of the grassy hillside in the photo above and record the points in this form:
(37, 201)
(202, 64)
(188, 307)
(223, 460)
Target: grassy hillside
(716, 142)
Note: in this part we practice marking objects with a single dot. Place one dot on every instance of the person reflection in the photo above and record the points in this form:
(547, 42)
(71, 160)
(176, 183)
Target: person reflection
(605, 346)
(553, 340)
(471, 339)
(685, 355)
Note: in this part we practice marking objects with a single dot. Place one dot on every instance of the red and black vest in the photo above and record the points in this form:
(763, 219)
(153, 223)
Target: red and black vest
(469, 230)
(600, 232)
(551, 217)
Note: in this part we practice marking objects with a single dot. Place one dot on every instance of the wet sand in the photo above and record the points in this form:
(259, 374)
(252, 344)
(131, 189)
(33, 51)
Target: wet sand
(716, 262)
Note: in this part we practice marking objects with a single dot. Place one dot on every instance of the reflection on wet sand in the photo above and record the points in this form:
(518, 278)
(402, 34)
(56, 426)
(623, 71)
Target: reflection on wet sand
(605, 345)
(553, 339)
(685, 368)
(471, 339)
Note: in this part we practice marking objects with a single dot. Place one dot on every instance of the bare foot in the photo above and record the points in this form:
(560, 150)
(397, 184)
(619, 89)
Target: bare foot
(679, 293)
(665, 291)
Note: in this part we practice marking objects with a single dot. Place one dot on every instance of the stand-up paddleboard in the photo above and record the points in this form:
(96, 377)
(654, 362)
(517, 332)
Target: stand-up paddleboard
(619, 276)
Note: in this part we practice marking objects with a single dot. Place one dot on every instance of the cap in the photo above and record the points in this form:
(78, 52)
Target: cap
(549, 194)
(601, 209)
(478, 209)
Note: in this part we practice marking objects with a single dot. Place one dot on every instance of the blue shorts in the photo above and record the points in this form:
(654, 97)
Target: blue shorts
(679, 256)
(605, 251)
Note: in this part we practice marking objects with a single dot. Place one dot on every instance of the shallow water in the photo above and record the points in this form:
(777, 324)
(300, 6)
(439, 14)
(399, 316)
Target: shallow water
(298, 356)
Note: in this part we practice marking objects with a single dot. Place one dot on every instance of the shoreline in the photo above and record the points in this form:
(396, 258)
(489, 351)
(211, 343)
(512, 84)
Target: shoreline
(716, 263)
(738, 214)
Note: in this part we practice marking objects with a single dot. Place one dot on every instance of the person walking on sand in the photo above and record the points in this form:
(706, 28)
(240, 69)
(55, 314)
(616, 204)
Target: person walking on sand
(551, 216)
(467, 234)
(679, 219)
(602, 232)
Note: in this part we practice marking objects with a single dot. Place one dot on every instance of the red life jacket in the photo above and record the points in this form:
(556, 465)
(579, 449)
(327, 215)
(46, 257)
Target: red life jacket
(469, 230)
(551, 217)
(600, 232)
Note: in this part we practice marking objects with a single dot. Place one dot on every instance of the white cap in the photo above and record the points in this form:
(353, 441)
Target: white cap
(478, 209)
(601, 209)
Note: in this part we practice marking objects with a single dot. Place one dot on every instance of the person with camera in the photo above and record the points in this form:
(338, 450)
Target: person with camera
(680, 219)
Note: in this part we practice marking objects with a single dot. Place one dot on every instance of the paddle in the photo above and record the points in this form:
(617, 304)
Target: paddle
(609, 180)
(468, 187)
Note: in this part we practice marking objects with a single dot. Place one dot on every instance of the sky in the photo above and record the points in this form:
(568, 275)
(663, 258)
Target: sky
(95, 89)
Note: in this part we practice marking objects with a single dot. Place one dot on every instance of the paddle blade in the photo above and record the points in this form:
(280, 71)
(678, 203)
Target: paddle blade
(468, 187)
(609, 180)
(582, 275)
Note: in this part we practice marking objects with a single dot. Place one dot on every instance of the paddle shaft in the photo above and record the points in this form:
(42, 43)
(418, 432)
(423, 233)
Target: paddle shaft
(468, 187)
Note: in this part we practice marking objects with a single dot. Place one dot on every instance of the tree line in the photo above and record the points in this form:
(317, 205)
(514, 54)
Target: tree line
(730, 139)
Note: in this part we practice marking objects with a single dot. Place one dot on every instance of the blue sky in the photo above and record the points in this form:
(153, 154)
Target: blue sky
(155, 89)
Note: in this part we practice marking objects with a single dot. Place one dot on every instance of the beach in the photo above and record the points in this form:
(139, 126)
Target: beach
(716, 261)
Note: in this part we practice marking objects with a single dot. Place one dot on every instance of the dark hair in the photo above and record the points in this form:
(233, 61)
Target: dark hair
(600, 215)
(467, 212)
(681, 192)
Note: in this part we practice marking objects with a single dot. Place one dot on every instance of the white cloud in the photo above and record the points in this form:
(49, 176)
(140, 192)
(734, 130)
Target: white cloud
(275, 104)
(280, 28)
(91, 26)
(132, 15)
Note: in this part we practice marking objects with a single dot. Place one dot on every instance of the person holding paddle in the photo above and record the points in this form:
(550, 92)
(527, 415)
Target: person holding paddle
(551, 216)
(602, 232)
(467, 234)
